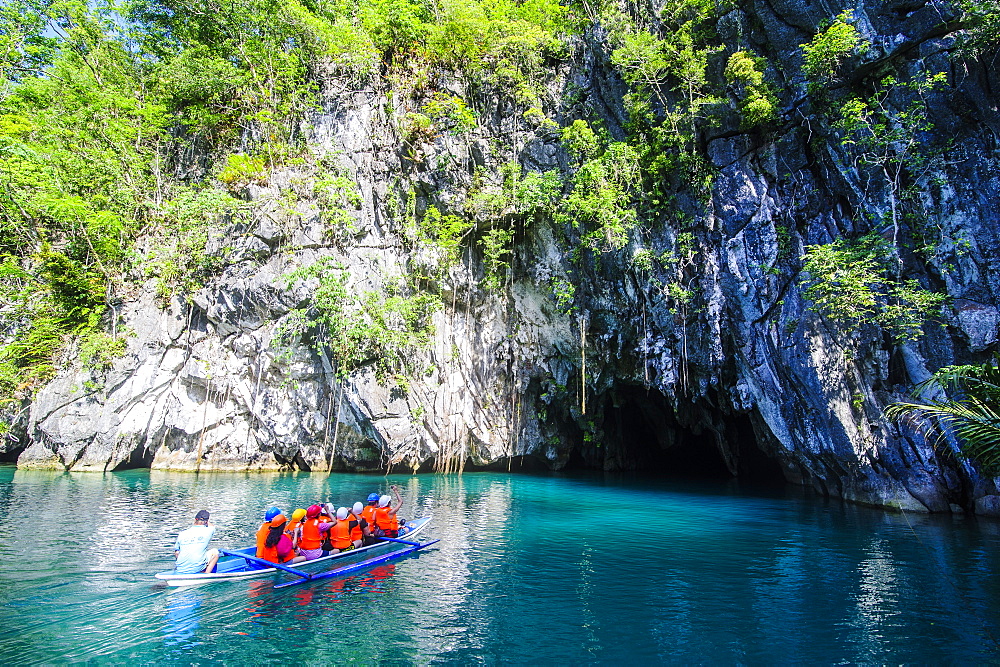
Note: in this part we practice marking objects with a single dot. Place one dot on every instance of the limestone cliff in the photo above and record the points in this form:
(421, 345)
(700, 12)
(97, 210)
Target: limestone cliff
(622, 376)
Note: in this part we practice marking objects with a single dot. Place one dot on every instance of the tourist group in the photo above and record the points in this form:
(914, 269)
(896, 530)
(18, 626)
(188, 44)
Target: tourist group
(311, 533)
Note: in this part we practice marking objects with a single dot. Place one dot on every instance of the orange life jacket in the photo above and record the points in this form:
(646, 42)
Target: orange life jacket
(356, 533)
(340, 534)
(262, 532)
(290, 528)
(312, 536)
(384, 520)
(271, 553)
(368, 514)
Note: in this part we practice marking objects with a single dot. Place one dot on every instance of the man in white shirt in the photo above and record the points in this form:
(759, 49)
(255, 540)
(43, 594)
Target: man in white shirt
(191, 548)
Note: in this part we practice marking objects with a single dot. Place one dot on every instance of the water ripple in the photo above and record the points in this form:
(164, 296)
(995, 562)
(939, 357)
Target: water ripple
(528, 570)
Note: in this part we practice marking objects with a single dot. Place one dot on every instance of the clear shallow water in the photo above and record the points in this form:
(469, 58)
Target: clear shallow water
(529, 570)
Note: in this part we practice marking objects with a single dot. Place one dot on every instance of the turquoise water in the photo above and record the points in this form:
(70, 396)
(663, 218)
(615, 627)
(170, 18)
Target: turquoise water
(530, 569)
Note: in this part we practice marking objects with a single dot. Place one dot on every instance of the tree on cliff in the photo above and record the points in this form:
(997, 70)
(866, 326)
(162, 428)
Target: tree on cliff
(973, 415)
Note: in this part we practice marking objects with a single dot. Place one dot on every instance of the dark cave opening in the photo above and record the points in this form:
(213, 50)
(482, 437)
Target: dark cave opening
(11, 446)
(139, 458)
(642, 433)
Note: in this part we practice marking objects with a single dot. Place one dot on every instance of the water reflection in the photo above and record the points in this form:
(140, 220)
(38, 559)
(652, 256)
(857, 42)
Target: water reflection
(182, 618)
(874, 599)
(526, 571)
(450, 619)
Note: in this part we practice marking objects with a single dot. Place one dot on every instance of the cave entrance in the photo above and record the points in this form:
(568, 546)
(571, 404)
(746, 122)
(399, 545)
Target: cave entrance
(139, 458)
(11, 447)
(642, 433)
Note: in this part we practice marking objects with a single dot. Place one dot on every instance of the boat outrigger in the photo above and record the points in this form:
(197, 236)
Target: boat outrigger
(243, 564)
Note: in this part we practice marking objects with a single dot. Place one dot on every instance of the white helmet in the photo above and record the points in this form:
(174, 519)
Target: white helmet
(384, 501)
(342, 513)
(357, 509)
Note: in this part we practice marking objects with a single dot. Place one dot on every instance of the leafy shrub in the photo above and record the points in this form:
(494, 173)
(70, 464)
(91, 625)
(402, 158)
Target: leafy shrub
(980, 27)
(240, 170)
(580, 140)
(451, 112)
(672, 56)
(180, 260)
(444, 232)
(758, 103)
(99, 349)
(642, 260)
(831, 47)
(600, 203)
(537, 118)
(564, 293)
(337, 196)
(380, 329)
(850, 283)
(496, 245)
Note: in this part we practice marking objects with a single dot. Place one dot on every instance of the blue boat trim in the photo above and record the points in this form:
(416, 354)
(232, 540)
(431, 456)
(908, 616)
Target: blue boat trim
(265, 563)
(357, 567)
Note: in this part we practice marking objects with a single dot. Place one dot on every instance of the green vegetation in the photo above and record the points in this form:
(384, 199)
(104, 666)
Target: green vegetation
(98, 349)
(443, 233)
(604, 187)
(450, 112)
(564, 293)
(671, 56)
(379, 329)
(889, 139)
(758, 103)
(853, 284)
(181, 261)
(518, 198)
(77, 138)
(240, 170)
(973, 414)
(96, 98)
(496, 245)
(886, 133)
(337, 197)
(824, 56)
(981, 27)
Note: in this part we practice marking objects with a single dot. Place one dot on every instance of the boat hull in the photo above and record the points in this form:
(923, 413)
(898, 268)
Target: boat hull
(232, 568)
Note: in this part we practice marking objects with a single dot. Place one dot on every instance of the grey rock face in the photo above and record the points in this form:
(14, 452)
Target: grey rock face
(622, 381)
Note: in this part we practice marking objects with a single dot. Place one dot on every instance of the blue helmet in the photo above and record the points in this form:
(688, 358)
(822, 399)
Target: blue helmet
(271, 513)
(373, 497)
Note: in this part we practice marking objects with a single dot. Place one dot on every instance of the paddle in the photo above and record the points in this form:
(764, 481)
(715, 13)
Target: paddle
(357, 566)
(267, 563)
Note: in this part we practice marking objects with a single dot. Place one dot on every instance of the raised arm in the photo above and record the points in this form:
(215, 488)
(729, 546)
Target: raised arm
(397, 501)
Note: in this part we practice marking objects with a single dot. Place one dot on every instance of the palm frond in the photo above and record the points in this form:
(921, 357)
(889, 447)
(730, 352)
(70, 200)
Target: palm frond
(976, 422)
(978, 380)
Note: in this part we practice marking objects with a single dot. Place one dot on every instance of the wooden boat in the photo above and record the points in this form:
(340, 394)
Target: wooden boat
(233, 566)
